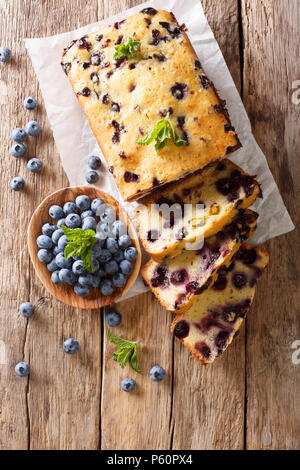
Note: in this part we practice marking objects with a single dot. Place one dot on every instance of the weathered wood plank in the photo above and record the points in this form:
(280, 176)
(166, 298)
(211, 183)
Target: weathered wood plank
(271, 34)
(208, 408)
(58, 406)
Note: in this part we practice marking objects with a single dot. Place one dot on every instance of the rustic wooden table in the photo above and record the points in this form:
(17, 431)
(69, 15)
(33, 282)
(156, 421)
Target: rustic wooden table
(248, 399)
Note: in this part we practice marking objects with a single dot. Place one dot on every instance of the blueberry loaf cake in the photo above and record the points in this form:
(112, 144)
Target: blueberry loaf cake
(194, 208)
(178, 281)
(155, 114)
(210, 325)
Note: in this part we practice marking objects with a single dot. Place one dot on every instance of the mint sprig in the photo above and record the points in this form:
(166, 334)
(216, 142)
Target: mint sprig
(126, 352)
(162, 133)
(80, 244)
(127, 49)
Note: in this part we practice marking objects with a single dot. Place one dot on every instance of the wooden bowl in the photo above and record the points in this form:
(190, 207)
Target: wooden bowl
(63, 292)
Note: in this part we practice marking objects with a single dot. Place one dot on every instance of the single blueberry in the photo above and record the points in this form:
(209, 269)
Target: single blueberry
(22, 369)
(105, 256)
(62, 262)
(80, 290)
(17, 183)
(73, 221)
(97, 206)
(119, 280)
(96, 278)
(44, 256)
(61, 222)
(91, 177)
(48, 229)
(124, 241)
(88, 213)
(78, 268)
(26, 309)
(105, 231)
(33, 128)
(34, 165)
(89, 223)
(56, 212)
(128, 385)
(67, 276)
(111, 267)
(5, 54)
(94, 163)
(113, 318)
(57, 250)
(112, 245)
(62, 242)
(119, 228)
(70, 208)
(30, 103)
(71, 346)
(96, 250)
(18, 150)
(55, 278)
(19, 135)
(157, 374)
(83, 202)
(119, 256)
(126, 267)
(52, 266)
(56, 235)
(86, 280)
(106, 287)
(131, 253)
(108, 215)
(43, 241)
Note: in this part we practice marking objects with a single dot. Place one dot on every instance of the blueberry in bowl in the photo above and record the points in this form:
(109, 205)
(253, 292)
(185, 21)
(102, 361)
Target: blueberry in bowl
(84, 247)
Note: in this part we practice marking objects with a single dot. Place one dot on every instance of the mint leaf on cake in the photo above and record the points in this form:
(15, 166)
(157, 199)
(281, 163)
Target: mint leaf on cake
(162, 133)
(127, 49)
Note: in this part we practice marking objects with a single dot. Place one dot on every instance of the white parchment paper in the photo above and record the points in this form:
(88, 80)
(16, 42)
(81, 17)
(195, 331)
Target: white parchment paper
(76, 142)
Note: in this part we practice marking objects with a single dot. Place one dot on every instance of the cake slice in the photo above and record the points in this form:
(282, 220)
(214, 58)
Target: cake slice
(197, 207)
(178, 281)
(131, 75)
(210, 325)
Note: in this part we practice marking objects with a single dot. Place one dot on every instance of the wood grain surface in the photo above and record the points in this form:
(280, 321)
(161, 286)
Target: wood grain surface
(247, 399)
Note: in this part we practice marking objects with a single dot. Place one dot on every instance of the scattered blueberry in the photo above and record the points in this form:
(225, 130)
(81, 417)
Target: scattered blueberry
(48, 229)
(56, 235)
(19, 135)
(17, 183)
(80, 290)
(89, 223)
(131, 253)
(83, 202)
(94, 163)
(5, 54)
(33, 128)
(71, 346)
(108, 215)
(119, 280)
(113, 318)
(124, 241)
(78, 268)
(119, 228)
(62, 262)
(67, 276)
(55, 278)
(61, 222)
(96, 204)
(106, 287)
(92, 177)
(43, 241)
(157, 374)
(88, 213)
(30, 103)
(126, 267)
(18, 150)
(111, 267)
(26, 309)
(56, 212)
(44, 256)
(73, 221)
(22, 369)
(70, 208)
(112, 245)
(34, 165)
(128, 385)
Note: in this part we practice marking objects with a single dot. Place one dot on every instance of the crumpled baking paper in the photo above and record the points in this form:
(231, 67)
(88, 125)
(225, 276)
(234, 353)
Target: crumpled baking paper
(76, 142)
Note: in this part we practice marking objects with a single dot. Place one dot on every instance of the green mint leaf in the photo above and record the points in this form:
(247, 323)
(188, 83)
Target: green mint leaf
(127, 49)
(162, 133)
(126, 352)
(80, 244)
